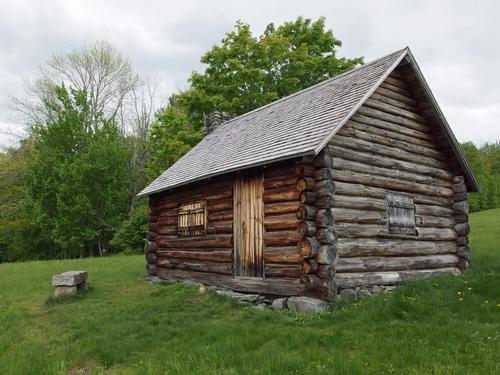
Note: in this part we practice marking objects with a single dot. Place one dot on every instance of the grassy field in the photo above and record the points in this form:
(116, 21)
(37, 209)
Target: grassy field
(126, 325)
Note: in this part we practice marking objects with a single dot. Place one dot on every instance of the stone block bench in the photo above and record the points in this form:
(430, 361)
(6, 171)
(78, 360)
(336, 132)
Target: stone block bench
(69, 282)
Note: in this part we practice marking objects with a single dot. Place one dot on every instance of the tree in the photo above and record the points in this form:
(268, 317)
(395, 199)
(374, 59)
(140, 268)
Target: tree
(246, 72)
(77, 178)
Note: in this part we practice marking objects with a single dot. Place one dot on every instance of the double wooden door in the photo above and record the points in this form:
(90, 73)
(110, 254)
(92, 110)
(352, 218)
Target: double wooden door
(248, 225)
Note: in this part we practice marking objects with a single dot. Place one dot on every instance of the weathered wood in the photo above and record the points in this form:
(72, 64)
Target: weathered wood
(287, 254)
(325, 271)
(282, 238)
(353, 247)
(273, 286)
(343, 215)
(353, 280)
(325, 202)
(368, 264)
(368, 231)
(396, 96)
(396, 103)
(220, 216)
(310, 266)
(307, 228)
(305, 183)
(281, 222)
(343, 164)
(394, 88)
(285, 194)
(461, 207)
(385, 116)
(324, 187)
(279, 182)
(323, 160)
(181, 264)
(308, 247)
(323, 174)
(283, 270)
(326, 235)
(391, 183)
(324, 218)
(219, 241)
(353, 130)
(219, 205)
(209, 256)
(307, 197)
(462, 229)
(360, 190)
(326, 254)
(281, 208)
(394, 110)
(306, 212)
(310, 281)
(387, 151)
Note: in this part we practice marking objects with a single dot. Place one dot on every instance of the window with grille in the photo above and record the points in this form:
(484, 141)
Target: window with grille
(401, 214)
(192, 219)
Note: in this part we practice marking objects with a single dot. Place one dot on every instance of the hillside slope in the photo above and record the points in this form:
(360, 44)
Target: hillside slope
(126, 325)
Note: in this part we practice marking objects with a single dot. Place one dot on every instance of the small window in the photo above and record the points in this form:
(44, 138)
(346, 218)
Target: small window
(401, 214)
(192, 219)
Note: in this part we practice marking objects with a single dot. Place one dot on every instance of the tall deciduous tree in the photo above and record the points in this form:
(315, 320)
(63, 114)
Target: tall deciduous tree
(77, 178)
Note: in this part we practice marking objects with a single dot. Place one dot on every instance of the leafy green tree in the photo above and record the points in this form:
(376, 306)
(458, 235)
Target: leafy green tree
(78, 177)
(131, 234)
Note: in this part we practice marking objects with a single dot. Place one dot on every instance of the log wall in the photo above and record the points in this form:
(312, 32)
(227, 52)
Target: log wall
(390, 146)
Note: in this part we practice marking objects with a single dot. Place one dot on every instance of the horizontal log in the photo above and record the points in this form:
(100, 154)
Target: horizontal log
(203, 194)
(151, 269)
(219, 205)
(219, 241)
(209, 256)
(279, 182)
(344, 215)
(369, 231)
(369, 264)
(283, 270)
(396, 96)
(281, 238)
(308, 247)
(396, 81)
(391, 183)
(344, 164)
(459, 188)
(396, 111)
(286, 194)
(392, 127)
(220, 216)
(281, 222)
(220, 227)
(323, 174)
(350, 247)
(394, 102)
(387, 151)
(287, 254)
(462, 229)
(178, 264)
(273, 286)
(353, 280)
(360, 190)
(311, 282)
(151, 258)
(280, 208)
(324, 187)
(325, 271)
(323, 160)
(307, 228)
(352, 129)
(397, 89)
(463, 252)
(289, 168)
(306, 212)
(325, 202)
(150, 247)
(398, 120)
(435, 221)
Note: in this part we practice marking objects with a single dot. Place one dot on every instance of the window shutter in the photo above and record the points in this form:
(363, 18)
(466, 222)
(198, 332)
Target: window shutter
(401, 214)
(192, 219)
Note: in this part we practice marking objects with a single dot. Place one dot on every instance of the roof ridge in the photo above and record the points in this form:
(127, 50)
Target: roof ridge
(329, 80)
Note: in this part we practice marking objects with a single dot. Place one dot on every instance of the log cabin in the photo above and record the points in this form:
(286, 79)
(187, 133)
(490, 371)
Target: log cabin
(355, 182)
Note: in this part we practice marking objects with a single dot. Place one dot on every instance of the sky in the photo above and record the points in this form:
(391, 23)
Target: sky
(454, 42)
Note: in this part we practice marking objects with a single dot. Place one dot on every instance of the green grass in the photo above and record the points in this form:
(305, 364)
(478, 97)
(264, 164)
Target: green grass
(126, 325)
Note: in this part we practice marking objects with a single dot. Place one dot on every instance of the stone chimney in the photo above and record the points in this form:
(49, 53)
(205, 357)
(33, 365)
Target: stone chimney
(214, 119)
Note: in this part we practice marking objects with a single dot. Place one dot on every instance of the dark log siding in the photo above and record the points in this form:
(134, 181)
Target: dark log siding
(390, 145)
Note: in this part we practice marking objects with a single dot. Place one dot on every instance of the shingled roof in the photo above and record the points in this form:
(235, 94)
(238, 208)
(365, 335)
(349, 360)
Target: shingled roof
(297, 125)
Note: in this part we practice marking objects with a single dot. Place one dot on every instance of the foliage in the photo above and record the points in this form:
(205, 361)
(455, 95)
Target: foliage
(126, 325)
(77, 178)
(246, 72)
(131, 233)
(485, 162)
(16, 219)
(170, 137)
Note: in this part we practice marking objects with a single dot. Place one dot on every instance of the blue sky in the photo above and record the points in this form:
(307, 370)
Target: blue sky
(453, 41)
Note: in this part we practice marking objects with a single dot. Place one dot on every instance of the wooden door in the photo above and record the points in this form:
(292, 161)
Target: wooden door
(248, 225)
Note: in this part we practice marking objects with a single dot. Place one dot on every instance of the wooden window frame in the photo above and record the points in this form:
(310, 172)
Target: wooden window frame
(408, 229)
(186, 214)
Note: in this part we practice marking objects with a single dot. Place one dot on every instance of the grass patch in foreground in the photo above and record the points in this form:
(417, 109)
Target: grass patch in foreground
(125, 325)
